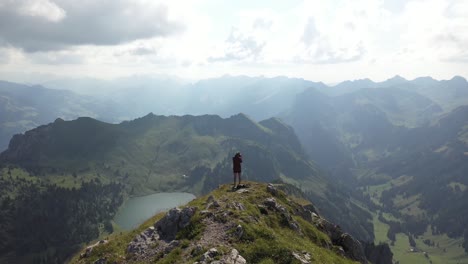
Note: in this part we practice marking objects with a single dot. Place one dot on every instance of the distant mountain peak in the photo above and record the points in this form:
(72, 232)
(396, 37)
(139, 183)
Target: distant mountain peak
(275, 124)
(458, 79)
(274, 120)
(397, 79)
(425, 78)
(241, 116)
(356, 84)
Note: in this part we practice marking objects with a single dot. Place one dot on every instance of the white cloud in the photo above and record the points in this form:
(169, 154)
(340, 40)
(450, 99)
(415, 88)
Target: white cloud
(238, 47)
(40, 8)
(320, 40)
(57, 58)
(41, 25)
(4, 56)
(435, 31)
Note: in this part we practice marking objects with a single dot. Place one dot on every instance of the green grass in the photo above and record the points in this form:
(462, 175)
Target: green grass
(453, 253)
(409, 205)
(375, 191)
(115, 250)
(401, 251)
(265, 240)
(380, 230)
(449, 250)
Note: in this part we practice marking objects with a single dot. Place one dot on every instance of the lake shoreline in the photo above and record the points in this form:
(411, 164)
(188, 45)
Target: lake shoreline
(136, 210)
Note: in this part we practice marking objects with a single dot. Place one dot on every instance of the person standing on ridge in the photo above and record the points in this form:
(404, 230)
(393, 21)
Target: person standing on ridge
(236, 167)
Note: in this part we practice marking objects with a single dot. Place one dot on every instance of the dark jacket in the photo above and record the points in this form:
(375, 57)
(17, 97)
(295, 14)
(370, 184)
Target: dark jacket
(236, 163)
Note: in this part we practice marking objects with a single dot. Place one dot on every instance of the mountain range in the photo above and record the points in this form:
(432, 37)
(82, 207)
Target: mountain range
(385, 160)
(24, 107)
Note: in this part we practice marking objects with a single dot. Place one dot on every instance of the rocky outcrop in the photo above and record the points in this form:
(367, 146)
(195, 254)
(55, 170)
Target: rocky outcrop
(380, 254)
(287, 219)
(352, 248)
(160, 238)
(174, 220)
(272, 189)
(142, 242)
(232, 258)
(303, 257)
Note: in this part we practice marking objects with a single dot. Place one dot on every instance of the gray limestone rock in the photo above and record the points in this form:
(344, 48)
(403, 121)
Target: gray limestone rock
(234, 258)
(352, 247)
(272, 189)
(173, 221)
(142, 241)
(304, 257)
(270, 203)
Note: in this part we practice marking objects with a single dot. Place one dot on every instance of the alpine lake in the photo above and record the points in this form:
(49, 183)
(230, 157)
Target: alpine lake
(138, 209)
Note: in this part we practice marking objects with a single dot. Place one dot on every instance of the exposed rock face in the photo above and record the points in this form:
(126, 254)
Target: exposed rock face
(303, 257)
(238, 206)
(380, 254)
(232, 258)
(352, 248)
(143, 241)
(209, 256)
(307, 212)
(160, 238)
(25, 147)
(174, 220)
(271, 204)
(311, 208)
(272, 189)
(333, 231)
(212, 203)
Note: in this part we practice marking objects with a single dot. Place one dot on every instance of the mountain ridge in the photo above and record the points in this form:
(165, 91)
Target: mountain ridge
(258, 223)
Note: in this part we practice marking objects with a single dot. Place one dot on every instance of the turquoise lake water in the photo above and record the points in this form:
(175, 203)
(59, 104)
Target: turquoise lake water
(138, 209)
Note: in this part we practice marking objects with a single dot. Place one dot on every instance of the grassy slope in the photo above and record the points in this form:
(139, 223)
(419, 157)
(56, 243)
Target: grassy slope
(266, 241)
(449, 249)
(453, 252)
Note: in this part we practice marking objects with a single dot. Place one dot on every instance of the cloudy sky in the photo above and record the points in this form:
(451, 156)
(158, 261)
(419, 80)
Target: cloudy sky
(318, 40)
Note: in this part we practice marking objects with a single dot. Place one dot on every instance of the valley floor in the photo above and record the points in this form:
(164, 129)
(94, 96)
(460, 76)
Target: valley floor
(445, 250)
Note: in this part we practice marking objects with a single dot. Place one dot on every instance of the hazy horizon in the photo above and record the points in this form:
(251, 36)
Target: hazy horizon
(43, 79)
